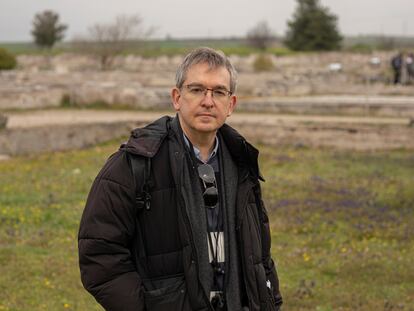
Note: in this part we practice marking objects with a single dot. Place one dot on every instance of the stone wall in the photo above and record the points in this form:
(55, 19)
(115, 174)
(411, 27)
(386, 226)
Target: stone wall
(338, 135)
(35, 140)
(134, 81)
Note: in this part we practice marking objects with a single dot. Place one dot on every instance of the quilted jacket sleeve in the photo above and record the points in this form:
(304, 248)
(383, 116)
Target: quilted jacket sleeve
(106, 229)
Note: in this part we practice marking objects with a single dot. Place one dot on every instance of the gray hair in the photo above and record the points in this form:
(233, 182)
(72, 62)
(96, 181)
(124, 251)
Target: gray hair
(207, 55)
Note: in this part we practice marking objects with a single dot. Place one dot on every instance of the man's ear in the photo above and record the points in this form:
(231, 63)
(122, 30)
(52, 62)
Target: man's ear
(175, 97)
(233, 102)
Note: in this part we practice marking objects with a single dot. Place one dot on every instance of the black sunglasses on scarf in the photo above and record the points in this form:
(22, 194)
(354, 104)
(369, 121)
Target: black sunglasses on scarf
(210, 195)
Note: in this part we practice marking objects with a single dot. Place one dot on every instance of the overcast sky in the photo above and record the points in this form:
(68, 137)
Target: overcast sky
(213, 18)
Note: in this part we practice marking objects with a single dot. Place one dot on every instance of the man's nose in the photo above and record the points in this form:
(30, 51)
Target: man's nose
(208, 99)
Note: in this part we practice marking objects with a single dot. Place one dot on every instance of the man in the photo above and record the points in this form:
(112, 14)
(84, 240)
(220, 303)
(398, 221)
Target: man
(397, 65)
(409, 62)
(187, 229)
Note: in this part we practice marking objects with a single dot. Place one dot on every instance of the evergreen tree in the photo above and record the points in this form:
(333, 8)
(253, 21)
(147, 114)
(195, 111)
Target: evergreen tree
(47, 30)
(312, 28)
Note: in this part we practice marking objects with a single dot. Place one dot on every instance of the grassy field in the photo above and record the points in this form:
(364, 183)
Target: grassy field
(235, 46)
(342, 227)
(156, 48)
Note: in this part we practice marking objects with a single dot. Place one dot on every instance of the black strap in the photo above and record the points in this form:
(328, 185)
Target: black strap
(141, 170)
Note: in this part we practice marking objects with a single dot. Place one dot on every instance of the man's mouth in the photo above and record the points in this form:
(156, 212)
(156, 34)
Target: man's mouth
(206, 115)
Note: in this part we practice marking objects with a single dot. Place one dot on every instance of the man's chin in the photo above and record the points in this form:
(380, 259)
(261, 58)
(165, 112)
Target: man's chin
(206, 128)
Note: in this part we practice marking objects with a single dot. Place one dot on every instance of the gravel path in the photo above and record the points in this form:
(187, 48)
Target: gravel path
(39, 131)
(72, 117)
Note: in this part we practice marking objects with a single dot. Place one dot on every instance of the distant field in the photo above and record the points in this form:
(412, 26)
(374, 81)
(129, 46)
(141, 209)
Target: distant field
(236, 46)
(155, 48)
(342, 228)
(19, 47)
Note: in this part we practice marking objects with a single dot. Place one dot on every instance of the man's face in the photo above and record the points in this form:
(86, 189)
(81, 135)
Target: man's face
(203, 113)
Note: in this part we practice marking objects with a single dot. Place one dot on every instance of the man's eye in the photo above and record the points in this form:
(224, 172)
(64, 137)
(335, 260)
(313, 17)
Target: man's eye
(219, 93)
(196, 90)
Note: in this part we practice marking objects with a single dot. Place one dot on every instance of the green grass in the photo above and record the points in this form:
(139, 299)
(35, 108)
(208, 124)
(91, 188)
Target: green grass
(19, 48)
(155, 48)
(342, 228)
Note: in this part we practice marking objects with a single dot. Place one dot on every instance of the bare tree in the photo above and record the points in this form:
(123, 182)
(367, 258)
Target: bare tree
(110, 39)
(260, 36)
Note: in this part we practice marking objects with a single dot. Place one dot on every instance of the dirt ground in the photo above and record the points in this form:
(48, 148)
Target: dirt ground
(49, 130)
(67, 117)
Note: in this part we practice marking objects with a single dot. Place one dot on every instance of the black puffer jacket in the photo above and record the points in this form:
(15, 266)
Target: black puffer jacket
(146, 260)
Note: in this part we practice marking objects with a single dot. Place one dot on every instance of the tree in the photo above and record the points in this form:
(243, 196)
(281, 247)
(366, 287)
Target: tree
(110, 39)
(47, 30)
(312, 28)
(260, 36)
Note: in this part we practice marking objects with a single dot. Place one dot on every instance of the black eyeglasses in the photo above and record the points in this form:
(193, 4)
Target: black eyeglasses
(198, 91)
(210, 195)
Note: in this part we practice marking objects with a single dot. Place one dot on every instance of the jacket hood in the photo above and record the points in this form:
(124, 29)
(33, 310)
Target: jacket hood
(147, 140)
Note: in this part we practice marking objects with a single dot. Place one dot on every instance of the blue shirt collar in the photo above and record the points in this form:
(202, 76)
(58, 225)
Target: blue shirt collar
(197, 151)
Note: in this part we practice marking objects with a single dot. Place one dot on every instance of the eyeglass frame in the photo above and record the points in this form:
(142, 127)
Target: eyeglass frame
(206, 89)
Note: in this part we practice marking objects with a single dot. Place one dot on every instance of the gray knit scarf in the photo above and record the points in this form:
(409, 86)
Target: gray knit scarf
(195, 208)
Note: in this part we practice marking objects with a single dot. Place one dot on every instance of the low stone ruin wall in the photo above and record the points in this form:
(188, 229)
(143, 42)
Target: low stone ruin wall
(76, 80)
(339, 135)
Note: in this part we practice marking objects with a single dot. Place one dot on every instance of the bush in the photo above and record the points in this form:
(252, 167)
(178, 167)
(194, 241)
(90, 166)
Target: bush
(3, 121)
(67, 101)
(7, 60)
(263, 63)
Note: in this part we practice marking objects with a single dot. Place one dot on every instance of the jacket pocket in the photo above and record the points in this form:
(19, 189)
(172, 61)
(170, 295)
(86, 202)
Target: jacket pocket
(172, 296)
